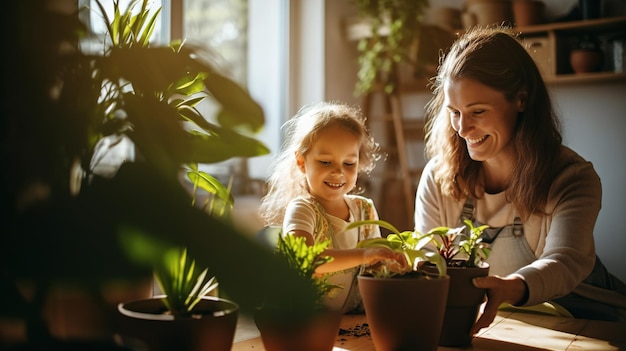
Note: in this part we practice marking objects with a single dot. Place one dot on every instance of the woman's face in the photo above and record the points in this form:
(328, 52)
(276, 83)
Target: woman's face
(483, 117)
(331, 165)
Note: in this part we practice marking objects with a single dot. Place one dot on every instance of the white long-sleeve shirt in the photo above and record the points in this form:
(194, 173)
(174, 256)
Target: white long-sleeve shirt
(562, 241)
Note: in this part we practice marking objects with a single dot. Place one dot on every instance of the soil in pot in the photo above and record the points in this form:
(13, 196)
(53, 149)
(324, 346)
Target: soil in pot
(303, 333)
(404, 313)
(146, 325)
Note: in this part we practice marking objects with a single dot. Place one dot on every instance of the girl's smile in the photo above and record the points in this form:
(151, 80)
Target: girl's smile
(331, 165)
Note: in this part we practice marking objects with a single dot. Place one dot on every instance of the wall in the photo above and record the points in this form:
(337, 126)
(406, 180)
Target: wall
(593, 117)
(594, 122)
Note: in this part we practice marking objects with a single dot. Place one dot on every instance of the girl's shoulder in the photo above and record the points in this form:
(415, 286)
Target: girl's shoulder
(359, 200)
(302, 202)
(361, 205)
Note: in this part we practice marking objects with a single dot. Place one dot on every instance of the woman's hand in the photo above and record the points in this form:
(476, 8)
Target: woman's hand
(500, 290)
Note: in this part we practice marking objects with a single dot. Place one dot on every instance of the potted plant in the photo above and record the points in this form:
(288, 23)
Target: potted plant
(586, 55)
(284, 327)
(404, 310)
(185, 317)
(67, 226)
(465, 254)
(394, 28)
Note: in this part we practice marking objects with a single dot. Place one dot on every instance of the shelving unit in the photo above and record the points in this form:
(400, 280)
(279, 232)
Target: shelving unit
(550, 46)
(394, 131)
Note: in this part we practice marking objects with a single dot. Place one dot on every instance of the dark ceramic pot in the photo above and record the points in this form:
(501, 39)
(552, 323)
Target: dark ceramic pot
(404, 313)
(144, 324)
(280, 332)
(464, 300)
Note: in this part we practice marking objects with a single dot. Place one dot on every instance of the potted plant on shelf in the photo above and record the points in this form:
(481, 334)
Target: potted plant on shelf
(586, 55)
(404, 310)
(284, 327)
(394, 28)
(64, 223)
(465, 254)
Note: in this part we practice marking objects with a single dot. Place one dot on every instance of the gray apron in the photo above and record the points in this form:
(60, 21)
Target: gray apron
(600, 296)
(510, 250)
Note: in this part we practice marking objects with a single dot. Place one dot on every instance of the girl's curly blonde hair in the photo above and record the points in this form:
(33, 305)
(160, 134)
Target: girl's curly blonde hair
(286, 181)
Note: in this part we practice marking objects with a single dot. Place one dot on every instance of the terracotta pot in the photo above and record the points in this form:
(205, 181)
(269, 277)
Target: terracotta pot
(404, 313)
(143, 324)
(528, 12)
(487, 12)
(462, 305)
(584, 60)
(311, 333)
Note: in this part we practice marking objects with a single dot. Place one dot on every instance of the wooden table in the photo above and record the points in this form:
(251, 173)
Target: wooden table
(510, 331)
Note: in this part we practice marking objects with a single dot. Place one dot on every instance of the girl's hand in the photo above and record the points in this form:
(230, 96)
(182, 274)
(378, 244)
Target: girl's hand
(395, 261)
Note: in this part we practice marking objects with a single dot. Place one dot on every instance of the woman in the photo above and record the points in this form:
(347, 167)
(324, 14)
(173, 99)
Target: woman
(496, 157)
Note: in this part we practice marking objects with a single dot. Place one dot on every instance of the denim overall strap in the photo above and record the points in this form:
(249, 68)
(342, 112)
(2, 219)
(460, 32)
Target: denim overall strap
(509, 249)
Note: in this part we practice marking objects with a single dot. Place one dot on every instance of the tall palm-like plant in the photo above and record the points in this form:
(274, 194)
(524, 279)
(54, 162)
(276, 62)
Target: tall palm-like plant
(64, 223)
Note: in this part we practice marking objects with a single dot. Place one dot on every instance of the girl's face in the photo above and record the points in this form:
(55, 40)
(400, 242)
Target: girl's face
(483, 117)
(331, 165)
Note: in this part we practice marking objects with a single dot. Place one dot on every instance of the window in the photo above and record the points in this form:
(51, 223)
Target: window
(250, 37)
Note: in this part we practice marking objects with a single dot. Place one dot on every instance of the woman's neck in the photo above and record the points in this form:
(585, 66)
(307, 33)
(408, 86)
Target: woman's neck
(496, 177)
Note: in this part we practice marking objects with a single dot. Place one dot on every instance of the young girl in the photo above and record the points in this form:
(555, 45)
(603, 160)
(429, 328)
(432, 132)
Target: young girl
(327, 145)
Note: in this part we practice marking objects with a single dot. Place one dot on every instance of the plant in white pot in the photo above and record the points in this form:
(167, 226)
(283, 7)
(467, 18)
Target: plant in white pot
(404, 310)
(286, 327)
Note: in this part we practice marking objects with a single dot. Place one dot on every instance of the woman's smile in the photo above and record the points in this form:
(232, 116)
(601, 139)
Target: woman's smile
(475, 141)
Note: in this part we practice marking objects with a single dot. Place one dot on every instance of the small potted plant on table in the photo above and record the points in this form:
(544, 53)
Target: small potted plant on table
(404, 310)
(285, 327)
(184, 317)
(465, 254)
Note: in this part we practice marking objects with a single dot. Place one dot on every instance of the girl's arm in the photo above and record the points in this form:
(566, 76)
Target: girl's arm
(349, 258)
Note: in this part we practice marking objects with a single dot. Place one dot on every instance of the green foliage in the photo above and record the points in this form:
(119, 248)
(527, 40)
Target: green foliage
(305, 259)
(452, 242)
(145, 83)
(473, 246)
(59, 103)
(219, 200)
(382, 50)
(182, 282)
(411, 243)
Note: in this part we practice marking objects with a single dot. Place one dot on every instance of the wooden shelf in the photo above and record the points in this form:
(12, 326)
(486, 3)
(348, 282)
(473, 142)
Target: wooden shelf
(592, 77)
(577, 27)
(554, 39)
(550, 46)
